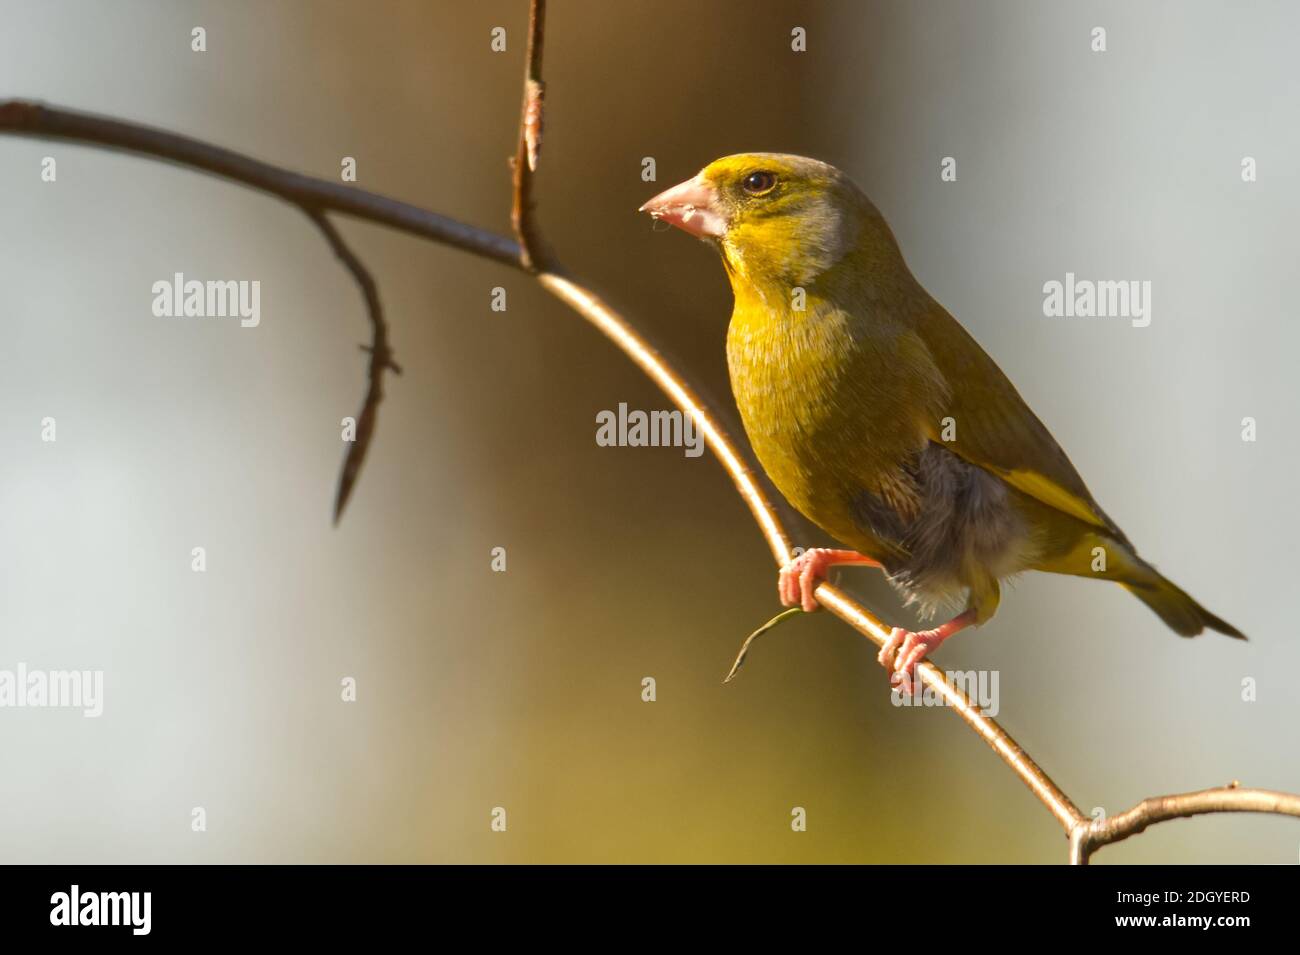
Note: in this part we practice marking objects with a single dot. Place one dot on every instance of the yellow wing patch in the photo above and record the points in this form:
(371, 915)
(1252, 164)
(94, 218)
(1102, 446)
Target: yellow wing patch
(1044, 489)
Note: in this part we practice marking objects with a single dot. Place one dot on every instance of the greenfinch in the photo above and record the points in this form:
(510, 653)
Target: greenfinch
(881, 419)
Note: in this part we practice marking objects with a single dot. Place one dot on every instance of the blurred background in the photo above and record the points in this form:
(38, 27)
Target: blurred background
(522, 689)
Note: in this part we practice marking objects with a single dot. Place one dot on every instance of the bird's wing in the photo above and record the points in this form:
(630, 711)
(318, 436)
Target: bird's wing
(996, 430)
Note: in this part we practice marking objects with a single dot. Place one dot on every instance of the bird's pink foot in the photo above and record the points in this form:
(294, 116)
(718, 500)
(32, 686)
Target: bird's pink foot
(906, 648)
(800, 577)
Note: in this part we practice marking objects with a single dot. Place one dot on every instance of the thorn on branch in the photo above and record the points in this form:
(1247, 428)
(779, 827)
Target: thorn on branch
(387, 358)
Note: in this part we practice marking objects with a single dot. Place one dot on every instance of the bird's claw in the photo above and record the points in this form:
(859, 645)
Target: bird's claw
(798, 580)
(904, 650)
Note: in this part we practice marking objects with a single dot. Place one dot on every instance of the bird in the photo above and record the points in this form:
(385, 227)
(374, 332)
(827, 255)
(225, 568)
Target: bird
(882, 420)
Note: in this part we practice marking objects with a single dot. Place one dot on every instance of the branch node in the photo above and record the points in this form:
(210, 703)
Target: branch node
(385, 358)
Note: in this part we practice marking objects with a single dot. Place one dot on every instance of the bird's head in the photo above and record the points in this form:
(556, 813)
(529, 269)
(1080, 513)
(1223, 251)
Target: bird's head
(777, 219)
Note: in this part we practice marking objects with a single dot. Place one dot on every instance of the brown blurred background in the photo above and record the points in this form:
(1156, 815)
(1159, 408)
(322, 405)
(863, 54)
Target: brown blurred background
(523, 689)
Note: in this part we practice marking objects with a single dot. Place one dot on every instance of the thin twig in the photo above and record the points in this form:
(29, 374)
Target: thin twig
(524, 162)
(381, 360)
(749, 641)
(32, 119)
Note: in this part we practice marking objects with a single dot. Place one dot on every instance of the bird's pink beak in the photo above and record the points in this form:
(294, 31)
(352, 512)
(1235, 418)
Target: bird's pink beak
(692, 206)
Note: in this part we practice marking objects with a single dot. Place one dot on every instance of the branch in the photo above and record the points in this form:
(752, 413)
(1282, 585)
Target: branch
(313, 196)
(22, 118)
(316, 196)
(381, 360)
(524, 163)
(1090, 836)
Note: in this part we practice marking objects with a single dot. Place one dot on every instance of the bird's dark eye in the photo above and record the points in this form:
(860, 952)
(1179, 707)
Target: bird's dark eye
(759, 183)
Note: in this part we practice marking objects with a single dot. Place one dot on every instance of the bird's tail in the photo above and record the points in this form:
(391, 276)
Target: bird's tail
(1175, 606)
(1100, 555)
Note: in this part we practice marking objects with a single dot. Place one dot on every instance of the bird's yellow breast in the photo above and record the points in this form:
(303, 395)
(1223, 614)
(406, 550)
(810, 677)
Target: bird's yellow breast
(824, 426)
